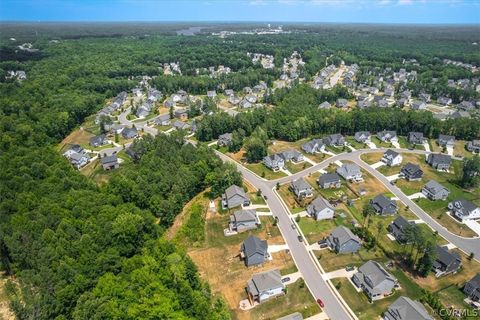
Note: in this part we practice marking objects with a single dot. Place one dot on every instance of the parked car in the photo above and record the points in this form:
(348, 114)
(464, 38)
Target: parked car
(300, 238)
(286, 279)
(265, 197)
(294, 226)
(320, 302)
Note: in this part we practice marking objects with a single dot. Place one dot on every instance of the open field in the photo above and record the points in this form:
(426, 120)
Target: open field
(79, 136)
(297, 167)
(380, 143)
(372, 158)
(264, 172)
(331, 261)
(278, 145)
(354, 143)
(5, 312)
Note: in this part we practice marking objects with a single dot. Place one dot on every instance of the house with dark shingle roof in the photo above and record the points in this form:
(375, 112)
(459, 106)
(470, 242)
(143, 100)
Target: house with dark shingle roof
(472, 288)
(362, 136)
(342, 240)
(405, 308)
(336, 140)
(419, 105)
(235, 196)
(98, 141)
(439, 161)
(110, 162)
(301, 188)
(464, 210)
(374, 280)
(416, 138)
(274, 162)
(387, 136)
(243, 220)
(446, 140)
(320, 209)
(392, 158)
(265, 285)
(314, 146)
(411, 172)
(350, 171)
(254, 251)
(291, 155)
(383, 205)
(435, 191)
(474, 146)
(446, 261)
(398, 228)
(329, 180)
(129, 133)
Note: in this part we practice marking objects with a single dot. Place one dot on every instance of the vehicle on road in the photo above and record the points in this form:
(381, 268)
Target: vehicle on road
(265, 197)
(294, 226)
(286, 279)
(300, 238)
(320, 302)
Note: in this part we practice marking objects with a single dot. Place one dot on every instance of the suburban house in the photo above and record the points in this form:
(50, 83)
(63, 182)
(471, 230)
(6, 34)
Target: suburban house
(446, 141)
(325, 105)
(228, 92)
(387, 136)
(392, 158)
(224, 139)
(265, 285)
(98, 141)
(234, 196)
(435, 191)
(425, 97)
(374, 280)
(383, 205)
(416, 138)
(254, 251)
(446, 261)
(242, 220)
(130, 133)
(389, 92)
(350, 171)
(169, 103)
(439, 161)
(329, 180)
(474, 146)
(464, 210)
(405, 308)
(274, 162)
(341, 103)
(77, 159)
(472, 288)
(301, 188)
(466, 105)
(293, 316)
(181, 114)
(320, 209)
(445, 101)
(211, 94)
(110, 162)
(162, 120)
(313, 146)
(362, 136)
(245, 104)
(342, 240)
(336, 140)
(234, 100)
(411, 172)
(419, 105)
(180, 125)
(460, 114)
(291, 155)
(397, 228)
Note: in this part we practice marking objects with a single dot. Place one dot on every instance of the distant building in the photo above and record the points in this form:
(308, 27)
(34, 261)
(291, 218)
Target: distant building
(435, 191)
(416, 138)
(342, 240)
(329, 180)
(320, 209)
(411, 172)
(243, 220)
(254, 251)
(265, 285)
(301, 188)
(439, 161)
(464, 210)
(397, 229)
(392, 158)
(362, 136)
(405, 308)
(446, 141)
(350, 171)
(383, 205)
(446, 261)
(374, 280)
(110, 162)
(234, 196)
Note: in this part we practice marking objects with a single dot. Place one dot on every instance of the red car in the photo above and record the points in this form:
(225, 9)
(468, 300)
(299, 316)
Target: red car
(320, 302)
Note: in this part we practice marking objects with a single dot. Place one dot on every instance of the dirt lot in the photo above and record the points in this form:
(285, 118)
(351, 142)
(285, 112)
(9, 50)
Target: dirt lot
(5, 312)
(78, 136)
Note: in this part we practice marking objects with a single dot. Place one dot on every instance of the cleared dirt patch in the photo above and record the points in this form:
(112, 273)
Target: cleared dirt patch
(5, 312)
(79, 136)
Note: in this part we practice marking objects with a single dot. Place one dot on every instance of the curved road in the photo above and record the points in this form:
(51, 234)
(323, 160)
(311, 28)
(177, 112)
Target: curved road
(334, 307)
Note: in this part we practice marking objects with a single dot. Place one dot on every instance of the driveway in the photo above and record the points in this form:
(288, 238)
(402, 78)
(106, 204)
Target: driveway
(474, 225)
(377, 164)
(340, 273)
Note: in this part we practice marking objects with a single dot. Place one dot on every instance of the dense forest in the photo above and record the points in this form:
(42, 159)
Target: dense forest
(80, 251)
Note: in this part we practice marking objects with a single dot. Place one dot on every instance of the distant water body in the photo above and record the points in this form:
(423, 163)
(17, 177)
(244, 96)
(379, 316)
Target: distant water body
(191, 31)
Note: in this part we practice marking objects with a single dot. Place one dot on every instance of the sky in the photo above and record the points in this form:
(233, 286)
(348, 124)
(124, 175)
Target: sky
(343, 11)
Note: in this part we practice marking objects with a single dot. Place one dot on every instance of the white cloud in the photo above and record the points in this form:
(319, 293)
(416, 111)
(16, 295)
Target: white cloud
(404, 2)
(257, 3)
(384, 2)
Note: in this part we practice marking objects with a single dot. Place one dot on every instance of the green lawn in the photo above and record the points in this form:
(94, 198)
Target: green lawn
(453, 296)
(354, 143)
(316, 230)
(297, 167)
(297, 299)
(379, 143)
(331, 261)
(264, 172)
(372, 157)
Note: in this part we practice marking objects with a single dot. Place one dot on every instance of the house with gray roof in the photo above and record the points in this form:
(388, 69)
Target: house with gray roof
(350, 171)
(329, 180)
(405, 308)
(474, 146)
(419, 105)
(181, 114)
(446, 262)
(265, 285)
(435, 191)
(110, 162)
(342, 240)
(245, 104)
(224, 139)
(243, 220)
(416, 138)
(446, 140)
(291, 155)
(464, 210)
(411, 172)
(254, 251)
(77, 159)
(425, 97)
(320, 209)
(374, 280)
(398, 229)
(439, 161)
(472, 288)
(383, 205)
(314, 146)
(336, 140)
(362, 136)
(466, 105)
(162, 120)
(180, 125)
(169, 103)
(130, 133)
(301, 188)
(392, 158)
(341, 103)
(211, 94)
(98, 141)
(235, 196)
(387, 136)
(234, 100)
(325, 105)
(362, 104)
(274, 162)
(293, 316)
(460, 114)
(228, 92)
(445, 101)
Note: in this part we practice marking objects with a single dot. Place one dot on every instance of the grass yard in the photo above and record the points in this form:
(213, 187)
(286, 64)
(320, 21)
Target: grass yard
(453, 296)
(297, 299)
(331, 261)
(316, 230)
(297, 167)
(290, 200)
(388, 171)
(372, 157)
(264, 172)
(379, 143)
(278, 145)
(316, 157)
(355, 144)
(403, 142)
(79, 136)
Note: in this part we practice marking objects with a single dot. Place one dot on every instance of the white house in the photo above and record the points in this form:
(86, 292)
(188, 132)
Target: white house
(392, 158)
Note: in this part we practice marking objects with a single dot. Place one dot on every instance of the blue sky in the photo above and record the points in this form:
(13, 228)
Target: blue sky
(363, 11)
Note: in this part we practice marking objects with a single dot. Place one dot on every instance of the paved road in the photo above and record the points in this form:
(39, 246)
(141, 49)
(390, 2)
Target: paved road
(311, 274)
